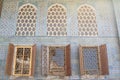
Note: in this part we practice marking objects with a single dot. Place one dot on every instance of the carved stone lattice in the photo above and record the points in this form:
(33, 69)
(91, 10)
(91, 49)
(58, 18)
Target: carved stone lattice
(56, 21)
(26, 20)
(87, 21)
(44, 60)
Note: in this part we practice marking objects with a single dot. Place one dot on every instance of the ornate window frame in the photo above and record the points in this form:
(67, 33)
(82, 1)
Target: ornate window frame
(23, 56)
(101, 60)
(19, 59)
(46, 61)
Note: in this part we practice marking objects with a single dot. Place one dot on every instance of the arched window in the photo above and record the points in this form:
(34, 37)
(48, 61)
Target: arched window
(87, 21)
(26, 20)
(56, 21)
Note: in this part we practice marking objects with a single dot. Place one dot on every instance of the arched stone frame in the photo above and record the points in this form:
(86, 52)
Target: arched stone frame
(87, 21)
(56, 20)
(26, 20)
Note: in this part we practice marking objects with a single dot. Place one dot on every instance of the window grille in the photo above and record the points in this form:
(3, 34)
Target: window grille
(87, 21)
(22, 63)
(56, 21)
(26, 20)
(91, 60)
(20, 60)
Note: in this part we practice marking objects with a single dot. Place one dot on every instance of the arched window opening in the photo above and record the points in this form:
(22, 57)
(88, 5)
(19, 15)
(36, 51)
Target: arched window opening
(87, 21)
(26, 20)
(56, 21)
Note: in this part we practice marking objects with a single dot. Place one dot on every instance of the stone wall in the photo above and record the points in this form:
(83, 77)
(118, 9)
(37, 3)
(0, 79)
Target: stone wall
(108, 28)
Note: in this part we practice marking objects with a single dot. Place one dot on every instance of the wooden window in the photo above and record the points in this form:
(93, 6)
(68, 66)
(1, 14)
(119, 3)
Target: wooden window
(22, 60)
(57, 59)
(93, 60)
(1, 3)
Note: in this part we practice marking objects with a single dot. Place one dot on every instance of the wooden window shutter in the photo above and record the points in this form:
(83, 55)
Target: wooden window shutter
(9, 61)
(81, 61)
(33, 59)
(104, 60)
(67, 61)
(1, 2)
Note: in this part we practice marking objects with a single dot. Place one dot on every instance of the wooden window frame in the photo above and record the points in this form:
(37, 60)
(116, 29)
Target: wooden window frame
(98, 58)
(55, 47)
(67, 62)
(11, 60)
(22, 63)
(102, 62)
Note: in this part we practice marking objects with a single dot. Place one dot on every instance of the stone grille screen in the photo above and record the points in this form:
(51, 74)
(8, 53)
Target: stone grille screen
(87, 21)
(44, 60)
(56, 21)
(26, 21)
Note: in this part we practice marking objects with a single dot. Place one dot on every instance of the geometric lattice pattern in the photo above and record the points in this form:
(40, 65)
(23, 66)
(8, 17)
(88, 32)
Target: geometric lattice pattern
(22, 61)
(87, 21)
(56, 21)
(26, 20)
(44, 60)
(91, 61)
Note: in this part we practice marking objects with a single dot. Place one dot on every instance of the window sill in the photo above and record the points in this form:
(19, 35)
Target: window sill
(92, 77)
